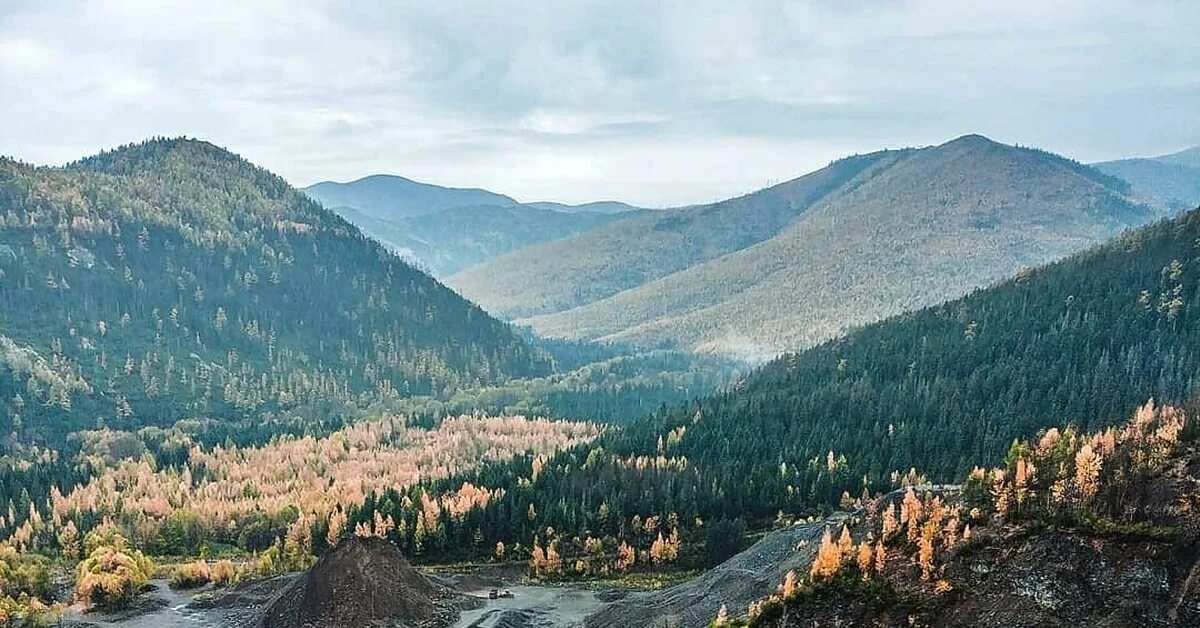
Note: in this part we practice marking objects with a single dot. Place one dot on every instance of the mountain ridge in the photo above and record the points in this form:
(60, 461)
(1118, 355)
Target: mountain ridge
(650, 247)
(391, 196)
(446, 230)
(946, 219)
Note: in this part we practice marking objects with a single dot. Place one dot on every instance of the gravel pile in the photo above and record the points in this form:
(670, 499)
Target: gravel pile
(363, 582)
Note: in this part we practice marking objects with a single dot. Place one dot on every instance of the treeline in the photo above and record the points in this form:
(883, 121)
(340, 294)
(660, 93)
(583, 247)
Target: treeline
(614, 388)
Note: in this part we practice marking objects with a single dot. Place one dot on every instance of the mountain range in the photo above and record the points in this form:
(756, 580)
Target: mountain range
(793, 265)
(446, 230)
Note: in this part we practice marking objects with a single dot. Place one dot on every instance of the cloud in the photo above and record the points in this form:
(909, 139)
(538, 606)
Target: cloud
(660, 103)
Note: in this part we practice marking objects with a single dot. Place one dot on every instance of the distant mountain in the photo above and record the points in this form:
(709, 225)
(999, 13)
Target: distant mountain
(390, 197)
(1174, 178)
(598, 207)
(790, 266)
(446, 230)
(458, 238)
(173, 280)
(1189, 157)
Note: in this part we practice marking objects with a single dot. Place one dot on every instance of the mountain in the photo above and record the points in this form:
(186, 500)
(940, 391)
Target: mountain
(791, 266)
(1174, 178)
(390, 197)
(458, 238)
(173, 280)
(1084, 341)
(1189, 157)
(596, 207)
(447, 230)
(603, 262)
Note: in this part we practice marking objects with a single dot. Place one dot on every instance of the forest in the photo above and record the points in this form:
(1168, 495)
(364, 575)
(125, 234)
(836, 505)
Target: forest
(927, 395)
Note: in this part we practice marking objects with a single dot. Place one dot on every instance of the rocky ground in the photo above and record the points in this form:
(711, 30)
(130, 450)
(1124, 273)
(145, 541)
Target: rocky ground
(1029, 575)
(163, 607)
(736, 582)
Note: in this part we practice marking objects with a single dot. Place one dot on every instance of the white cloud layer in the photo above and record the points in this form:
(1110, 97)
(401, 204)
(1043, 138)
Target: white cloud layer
(659, 103)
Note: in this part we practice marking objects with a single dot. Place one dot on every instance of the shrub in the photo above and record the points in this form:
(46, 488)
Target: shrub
(223, 572)
(113, 573)
(191, 575)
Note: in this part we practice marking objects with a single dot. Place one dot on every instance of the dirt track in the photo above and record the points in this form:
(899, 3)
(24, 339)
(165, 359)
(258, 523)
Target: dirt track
(164, 607)
(532, 606)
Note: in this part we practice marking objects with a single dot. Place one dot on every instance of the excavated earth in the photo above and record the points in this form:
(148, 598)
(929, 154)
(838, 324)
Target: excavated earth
(363, 582)
(1033, 576)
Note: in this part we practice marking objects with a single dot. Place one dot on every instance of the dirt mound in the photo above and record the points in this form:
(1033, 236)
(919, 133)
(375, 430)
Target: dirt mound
(363, 582)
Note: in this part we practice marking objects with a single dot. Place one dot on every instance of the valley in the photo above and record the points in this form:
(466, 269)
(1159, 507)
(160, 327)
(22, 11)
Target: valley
(603, 483)
(602, 315)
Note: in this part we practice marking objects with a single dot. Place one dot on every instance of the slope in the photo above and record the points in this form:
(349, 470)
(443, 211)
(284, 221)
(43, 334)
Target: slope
(1083, 341)
(173, 280)
(600, 263)
(458, 238)
(934, 225)
(390, 197)
(1174, 178)
(1072, 529)
(1189, 157)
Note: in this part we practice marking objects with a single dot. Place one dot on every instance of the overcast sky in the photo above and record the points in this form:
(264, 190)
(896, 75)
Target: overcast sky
(657, 103)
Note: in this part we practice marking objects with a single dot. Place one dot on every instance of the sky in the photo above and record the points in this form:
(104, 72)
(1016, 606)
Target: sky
(653, 103)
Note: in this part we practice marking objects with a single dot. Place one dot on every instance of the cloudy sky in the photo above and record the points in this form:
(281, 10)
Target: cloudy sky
(657, 103)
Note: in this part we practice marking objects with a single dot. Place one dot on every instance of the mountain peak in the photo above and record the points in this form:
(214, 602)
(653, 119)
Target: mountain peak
(152, 153)
(390, 197)
(971, 140)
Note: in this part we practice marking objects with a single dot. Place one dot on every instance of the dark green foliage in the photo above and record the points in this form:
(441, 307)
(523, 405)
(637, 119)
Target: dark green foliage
(724, 539)
(612, 390)
(872, 597)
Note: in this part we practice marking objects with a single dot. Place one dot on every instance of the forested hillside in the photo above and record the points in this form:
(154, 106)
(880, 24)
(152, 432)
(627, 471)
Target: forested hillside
(1083, 341)
(561, 275)
(173, 280)
(936, 224)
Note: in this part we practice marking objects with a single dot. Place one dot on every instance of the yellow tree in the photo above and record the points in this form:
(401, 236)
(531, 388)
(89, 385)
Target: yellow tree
(829, 557)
